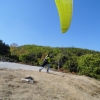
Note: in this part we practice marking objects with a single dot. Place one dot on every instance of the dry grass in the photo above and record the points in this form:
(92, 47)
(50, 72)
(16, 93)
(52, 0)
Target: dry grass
(54, 86)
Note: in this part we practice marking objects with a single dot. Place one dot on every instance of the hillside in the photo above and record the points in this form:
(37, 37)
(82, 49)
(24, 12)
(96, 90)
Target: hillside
(69, 59)
(52, 86)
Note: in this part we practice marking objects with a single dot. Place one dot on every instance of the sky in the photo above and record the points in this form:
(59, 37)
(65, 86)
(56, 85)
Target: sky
(37, 22)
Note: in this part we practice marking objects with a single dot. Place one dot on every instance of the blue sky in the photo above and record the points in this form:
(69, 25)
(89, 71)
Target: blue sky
(37, 22)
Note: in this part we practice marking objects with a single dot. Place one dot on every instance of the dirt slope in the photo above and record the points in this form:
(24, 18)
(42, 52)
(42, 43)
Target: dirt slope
(53, 86)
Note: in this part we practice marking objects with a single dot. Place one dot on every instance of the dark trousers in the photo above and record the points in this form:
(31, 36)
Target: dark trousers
(44, 64)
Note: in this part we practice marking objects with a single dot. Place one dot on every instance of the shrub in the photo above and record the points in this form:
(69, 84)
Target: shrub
(71, 64)
(89, 65)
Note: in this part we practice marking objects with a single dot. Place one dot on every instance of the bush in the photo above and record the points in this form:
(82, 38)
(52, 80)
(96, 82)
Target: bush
(89, 65)
(71, 64)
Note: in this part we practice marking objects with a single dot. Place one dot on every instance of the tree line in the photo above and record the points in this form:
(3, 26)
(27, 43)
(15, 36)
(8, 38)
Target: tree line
(67, 59)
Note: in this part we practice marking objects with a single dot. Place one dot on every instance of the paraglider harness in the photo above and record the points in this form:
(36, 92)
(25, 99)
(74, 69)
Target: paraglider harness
(46, 61)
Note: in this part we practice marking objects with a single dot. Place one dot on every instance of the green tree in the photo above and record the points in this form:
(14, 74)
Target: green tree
(4, 49)
(71, 64)
(89, 65)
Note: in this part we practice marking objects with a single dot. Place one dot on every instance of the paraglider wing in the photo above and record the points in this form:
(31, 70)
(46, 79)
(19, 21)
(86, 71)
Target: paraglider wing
(65, 13)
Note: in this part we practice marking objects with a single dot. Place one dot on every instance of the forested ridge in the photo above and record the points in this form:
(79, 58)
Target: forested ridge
(67, 59)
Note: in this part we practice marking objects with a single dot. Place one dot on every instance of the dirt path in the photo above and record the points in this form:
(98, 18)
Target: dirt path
(54, 86)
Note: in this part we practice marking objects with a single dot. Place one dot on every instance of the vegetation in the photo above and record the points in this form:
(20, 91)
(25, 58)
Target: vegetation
(70, 59)
(89, 65)
(4, 50)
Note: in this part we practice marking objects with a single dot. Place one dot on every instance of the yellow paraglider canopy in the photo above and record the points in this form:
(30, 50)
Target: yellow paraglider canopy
(65, 13)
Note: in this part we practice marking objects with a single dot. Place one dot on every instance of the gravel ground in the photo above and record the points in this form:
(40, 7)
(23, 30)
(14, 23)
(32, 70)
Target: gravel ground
(18, 66)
